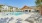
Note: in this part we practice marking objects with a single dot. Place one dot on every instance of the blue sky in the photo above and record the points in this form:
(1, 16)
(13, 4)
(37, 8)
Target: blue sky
(18, 3)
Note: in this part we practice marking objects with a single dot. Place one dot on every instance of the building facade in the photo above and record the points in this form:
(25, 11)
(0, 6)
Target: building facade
(27, 9)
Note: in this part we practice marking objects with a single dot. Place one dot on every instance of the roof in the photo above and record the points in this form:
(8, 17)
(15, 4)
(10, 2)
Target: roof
(38, 8)
(25, 7)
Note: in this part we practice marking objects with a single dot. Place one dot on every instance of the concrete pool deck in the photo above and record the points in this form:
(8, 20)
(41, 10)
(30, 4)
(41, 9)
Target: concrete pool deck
(23, 17)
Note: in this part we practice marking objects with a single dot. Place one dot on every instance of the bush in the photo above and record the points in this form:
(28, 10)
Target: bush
(0, 10)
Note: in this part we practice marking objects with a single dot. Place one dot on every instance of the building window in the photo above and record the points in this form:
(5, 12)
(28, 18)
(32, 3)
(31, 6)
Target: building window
(37, 10)
(26, 10)
(29, 10)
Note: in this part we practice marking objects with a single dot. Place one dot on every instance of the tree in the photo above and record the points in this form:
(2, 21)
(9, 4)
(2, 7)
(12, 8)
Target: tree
(0, 7)
(39, 4)
(11, 8)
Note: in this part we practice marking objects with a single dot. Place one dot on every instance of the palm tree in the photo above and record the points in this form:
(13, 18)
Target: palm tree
(39, 4)
(11, 8)
(16, 9)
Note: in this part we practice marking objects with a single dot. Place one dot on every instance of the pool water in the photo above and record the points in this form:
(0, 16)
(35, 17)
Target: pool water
(15, 13)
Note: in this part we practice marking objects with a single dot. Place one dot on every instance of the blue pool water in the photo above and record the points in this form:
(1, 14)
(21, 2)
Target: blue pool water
(15, 13)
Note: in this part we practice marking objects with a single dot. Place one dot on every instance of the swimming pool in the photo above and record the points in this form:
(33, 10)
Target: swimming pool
(14, 13)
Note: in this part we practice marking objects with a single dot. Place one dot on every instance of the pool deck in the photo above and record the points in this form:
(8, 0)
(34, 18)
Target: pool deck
(23, 17)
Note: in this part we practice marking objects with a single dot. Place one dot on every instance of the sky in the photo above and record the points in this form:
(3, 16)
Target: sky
(18, 3)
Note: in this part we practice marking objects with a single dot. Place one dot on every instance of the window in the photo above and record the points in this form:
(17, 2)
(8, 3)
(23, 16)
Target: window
(29, 10)
(37, 11)
(26, 10)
